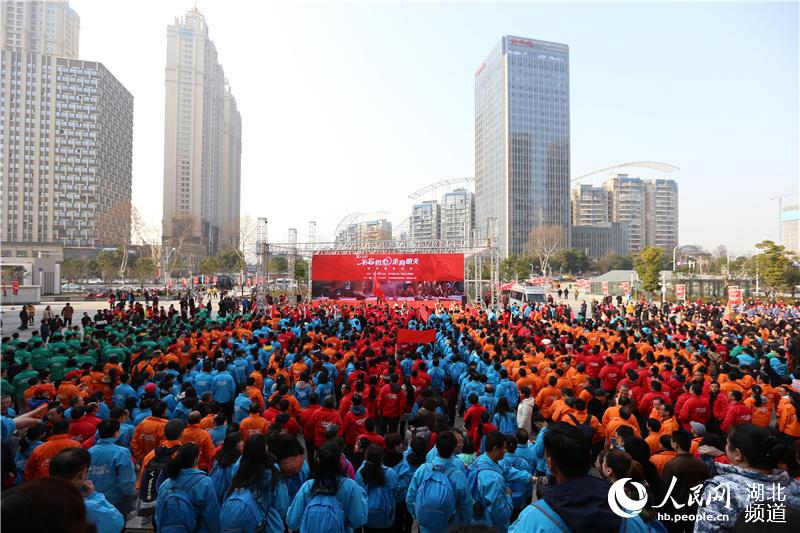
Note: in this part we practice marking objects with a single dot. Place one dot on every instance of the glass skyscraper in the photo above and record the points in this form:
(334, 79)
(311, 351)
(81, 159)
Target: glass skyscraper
(522, 141)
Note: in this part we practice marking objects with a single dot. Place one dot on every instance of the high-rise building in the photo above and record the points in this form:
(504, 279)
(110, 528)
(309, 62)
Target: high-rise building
(201, 185)
(601, 239)
(790, 227)
(522, 150)
(649, 207)
(425, 221)
(589, 205)
(67, 142)
(458, 215)
(661, 213)
(41, 27)
(231, 172)
(368, 231)
(626, 203)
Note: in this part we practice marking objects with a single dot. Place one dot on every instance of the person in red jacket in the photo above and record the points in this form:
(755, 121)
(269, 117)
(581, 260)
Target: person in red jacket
(391, 401)
(81, 427)
(325, 418)
(472, 417)
(370, 435)
(353, 423)
(737, 412)
(305, 421)
(646, 403)
(696, 408)
(609, 376)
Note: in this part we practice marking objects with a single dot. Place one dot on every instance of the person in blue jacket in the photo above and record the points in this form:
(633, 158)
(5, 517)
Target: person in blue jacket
(183, 475)
(241, 405)
(329, 475)
(507, 389)
(112, 470)
(405, 470)
(223, 387)
(28, 442)
(525, 449)
(578, 501)
(380, 481)
(445, 446)
(222, 471)
(123, 391)
(257, 471)
(504, 419)
(488, 484)
(521, 491)
(72, 464)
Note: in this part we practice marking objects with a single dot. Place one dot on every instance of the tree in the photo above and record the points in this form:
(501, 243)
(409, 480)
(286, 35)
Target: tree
(613, 261)
(108, 263)
(144, 270)
(248, 232)
(570, 260)
(774, 264)
(648, 265)
(209, 265)
(515, 267)
(542, 244)
(300, 270)
(278, 264)
(146, 235)
(12, 273)
(73, 269)
(230, 260)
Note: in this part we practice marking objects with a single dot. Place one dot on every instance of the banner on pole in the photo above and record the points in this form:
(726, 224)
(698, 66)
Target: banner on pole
(15, 287)
(680, 292)
(605, 288)
(413, 336)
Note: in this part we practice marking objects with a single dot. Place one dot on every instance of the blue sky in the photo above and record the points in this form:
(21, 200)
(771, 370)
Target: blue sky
(352, 106)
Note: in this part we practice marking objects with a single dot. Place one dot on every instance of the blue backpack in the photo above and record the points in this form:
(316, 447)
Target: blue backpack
(478, 507)
(240, 511)
(324, 513)
(178, 514)
(436, 501)
(380, 506)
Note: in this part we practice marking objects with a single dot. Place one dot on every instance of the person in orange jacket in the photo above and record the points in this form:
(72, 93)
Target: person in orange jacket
(255, 424)
(39, 461)
(580, 417)
(789, 413)
(68, 389)
(194, 433)
(150, 431)
(173, 430)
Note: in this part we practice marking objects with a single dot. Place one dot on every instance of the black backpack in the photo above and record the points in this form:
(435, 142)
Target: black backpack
(153, 476)
(585, 427)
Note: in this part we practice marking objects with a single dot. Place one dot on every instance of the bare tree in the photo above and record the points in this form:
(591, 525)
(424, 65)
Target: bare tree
(247, 237)
(114, 228)
(182, 230)
(543, 243)
(148, 236)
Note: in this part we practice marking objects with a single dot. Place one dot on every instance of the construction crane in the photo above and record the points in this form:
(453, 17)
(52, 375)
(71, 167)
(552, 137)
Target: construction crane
(780, 211)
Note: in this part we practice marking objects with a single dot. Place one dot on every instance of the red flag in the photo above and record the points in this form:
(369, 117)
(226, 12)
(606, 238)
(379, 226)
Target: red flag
(424, 314)
(413, 336)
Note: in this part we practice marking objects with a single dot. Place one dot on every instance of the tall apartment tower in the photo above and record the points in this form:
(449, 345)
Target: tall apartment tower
(661, 213)
(589, 205)
(458, 215)
(66, 145)
(627, 203)
(790, 227)
(41, 27)
(522, 150)
(425, 221)
(231, 172)
(202, 146)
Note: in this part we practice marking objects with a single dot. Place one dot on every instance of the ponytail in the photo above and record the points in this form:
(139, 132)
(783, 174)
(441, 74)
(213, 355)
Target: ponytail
(185, 457)
(372, 470)
(757, 398)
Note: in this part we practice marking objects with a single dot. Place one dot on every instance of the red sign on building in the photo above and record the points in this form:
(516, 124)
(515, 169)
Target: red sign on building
(15, 287)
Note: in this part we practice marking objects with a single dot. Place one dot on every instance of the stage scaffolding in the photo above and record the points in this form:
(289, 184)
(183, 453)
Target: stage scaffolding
(481, 260)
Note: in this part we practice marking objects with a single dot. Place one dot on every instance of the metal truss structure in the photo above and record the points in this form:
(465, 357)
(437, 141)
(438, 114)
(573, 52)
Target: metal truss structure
(481, 259)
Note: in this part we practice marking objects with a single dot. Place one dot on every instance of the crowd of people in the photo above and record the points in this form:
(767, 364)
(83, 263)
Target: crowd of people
(312, 418)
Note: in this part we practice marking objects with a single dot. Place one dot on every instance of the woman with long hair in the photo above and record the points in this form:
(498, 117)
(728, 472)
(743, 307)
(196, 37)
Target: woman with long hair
(327, 482)
(752, 478)
(184, 476)
(760, 405)
(222, 471)
(29, 441)
(405, 470)
(505, 420)
(380, 483)
(257, 471)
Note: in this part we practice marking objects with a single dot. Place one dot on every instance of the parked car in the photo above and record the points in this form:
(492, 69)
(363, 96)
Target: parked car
(71, 287)
(95, 281)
